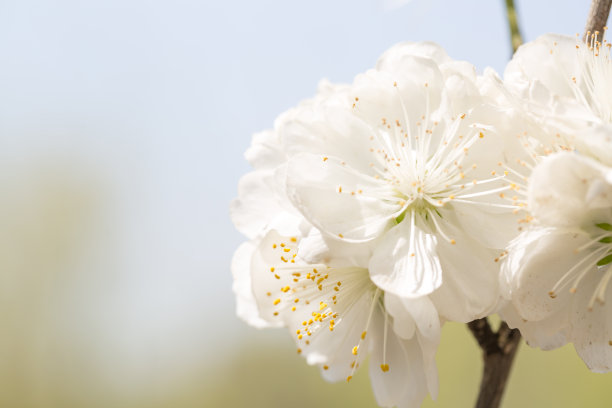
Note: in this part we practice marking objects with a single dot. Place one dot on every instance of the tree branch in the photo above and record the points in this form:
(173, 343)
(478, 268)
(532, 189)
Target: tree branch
(598, 16)
(498, 351)
(513, 25)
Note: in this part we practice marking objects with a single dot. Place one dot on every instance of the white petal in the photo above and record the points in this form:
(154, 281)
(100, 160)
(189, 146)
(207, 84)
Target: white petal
(267, 268)
(403, 323)
(591, 330)
(333, 131)
(328, 195)
(536, 262)
(265, 151)
(411, 90)
(470, 289)
(405, 313)
(334, 349)
(404, 385)
(246, 307)
(596, 143)
(561, 189)
(405, 262)
(257, 204)
(391, 58)
(426, 317)
(429, 349)
(547, 334)
(550, 59)
(460, 84)
(282, 300)
(319, 248)
(492, 229)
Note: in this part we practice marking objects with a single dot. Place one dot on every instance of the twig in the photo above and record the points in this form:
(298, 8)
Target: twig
(596, 21)
(513, 25)
(498, 351)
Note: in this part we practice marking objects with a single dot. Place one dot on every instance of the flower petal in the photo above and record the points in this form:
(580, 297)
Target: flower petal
(536, 262)
(333, 131)
(394, 55)
(257, 203)
(403, 323)
(539, 60)
(404, 384)
(470, 275)
(428, 351)
(405, 263)
(334, 350)
(492, 229)
(265, 151)
(269, 263)
(426, 317)
(319, 248)
(246, 307)
(591, 329)
(421, 311)
(565, 186)
(406, 92)
(591, 326)
(338, 199)
(547, 334)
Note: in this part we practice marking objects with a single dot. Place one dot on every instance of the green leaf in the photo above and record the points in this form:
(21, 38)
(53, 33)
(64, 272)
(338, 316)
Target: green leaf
(606, 240)
(605, 260)
(604, 226)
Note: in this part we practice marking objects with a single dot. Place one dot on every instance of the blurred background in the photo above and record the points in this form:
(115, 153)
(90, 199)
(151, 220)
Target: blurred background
(122, 129)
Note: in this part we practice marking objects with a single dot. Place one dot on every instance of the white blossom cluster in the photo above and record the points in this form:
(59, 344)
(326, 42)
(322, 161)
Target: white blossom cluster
(423, 193)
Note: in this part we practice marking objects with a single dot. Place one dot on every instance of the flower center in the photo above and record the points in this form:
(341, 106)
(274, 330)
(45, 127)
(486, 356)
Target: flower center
(598, 258)
(320, 300)
(427, 162)
(593, 86)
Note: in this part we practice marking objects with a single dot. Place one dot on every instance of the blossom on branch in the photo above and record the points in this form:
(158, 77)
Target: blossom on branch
(337, 316)
(412, 156)
(557, 271)
(378, 210)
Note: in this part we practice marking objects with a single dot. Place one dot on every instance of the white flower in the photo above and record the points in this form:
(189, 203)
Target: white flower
(411, 154)
(262, 205)
(338, 316)
(557, 273)
(262, 202)
(246, 307)
(566, 85)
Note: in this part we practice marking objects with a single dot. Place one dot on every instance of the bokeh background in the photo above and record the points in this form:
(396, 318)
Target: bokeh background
(122, 128)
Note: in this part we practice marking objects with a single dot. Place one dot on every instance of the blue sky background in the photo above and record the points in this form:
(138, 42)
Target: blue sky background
(122, 129)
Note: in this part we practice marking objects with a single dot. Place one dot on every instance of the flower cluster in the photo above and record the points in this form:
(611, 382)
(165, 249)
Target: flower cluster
(423, 193)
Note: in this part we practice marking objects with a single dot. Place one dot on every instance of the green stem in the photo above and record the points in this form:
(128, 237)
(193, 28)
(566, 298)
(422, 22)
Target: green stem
(513, 25)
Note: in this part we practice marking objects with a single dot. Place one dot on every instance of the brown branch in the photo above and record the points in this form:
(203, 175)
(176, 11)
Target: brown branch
(598, 16)
(498, 351)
